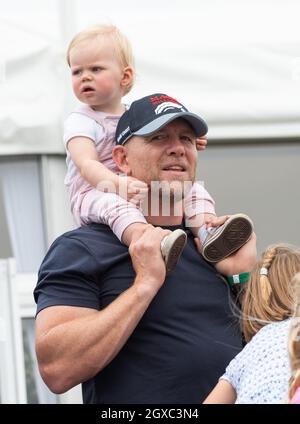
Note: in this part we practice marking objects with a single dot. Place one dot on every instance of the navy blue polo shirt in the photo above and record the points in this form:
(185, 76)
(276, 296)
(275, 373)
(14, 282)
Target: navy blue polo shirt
(185, 339)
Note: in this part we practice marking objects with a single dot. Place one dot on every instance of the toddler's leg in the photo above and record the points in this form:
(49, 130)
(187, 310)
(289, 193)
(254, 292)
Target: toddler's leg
(198, 206)
(128, 222)
(134, 230)
(110, 209)
(200, 225)
(198, 209)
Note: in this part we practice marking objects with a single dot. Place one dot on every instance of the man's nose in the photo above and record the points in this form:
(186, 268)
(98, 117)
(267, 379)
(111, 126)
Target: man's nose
(176, 147)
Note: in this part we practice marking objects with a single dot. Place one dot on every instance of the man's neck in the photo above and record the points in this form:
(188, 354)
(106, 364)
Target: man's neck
(162, 221)
(169, 216)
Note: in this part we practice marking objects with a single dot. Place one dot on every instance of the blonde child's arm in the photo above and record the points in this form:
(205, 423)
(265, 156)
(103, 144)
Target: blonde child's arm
(85, 158)
(222, 393)
(84, 155)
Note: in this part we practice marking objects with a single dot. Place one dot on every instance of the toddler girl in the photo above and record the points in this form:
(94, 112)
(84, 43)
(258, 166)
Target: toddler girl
(102, 68)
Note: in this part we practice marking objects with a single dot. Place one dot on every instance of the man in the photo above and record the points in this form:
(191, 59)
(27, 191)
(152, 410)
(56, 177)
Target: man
(113, 320)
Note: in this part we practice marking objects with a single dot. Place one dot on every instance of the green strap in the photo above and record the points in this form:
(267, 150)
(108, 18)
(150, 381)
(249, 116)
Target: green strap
(238, 278)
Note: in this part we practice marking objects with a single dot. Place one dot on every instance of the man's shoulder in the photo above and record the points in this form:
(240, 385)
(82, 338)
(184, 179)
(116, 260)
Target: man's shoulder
(89, 235)
(90, 247)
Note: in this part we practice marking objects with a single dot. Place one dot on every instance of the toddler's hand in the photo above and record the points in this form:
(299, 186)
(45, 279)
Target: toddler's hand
(201, 143)
(132, 189)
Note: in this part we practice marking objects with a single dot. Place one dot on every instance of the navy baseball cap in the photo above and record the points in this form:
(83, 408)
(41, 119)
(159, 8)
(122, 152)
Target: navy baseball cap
(151, 113)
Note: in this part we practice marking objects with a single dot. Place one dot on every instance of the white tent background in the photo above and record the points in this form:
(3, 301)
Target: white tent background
(235, 62)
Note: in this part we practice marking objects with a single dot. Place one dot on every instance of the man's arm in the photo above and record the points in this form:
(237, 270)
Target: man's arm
(73, 344)
(243, 260)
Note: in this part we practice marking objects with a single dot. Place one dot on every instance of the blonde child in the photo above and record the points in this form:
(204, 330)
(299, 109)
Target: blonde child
(260, 373)
(294, 344)
(102, 68)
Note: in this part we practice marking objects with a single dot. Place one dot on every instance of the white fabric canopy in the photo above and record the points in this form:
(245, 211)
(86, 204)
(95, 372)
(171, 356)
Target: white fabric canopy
(237, 63)
(31, 92)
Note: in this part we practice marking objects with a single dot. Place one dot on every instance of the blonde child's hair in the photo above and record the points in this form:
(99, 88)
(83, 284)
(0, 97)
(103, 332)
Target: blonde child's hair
(268, 298)
(119, 41)
(294, 338)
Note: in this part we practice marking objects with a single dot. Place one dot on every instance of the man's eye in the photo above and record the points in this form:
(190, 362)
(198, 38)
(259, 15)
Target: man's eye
(157, 137)
(188, 139)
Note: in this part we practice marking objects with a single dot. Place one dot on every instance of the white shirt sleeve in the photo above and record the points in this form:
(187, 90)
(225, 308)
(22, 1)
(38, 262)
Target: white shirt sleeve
(231, 374)
(236, 366)
(79, 125)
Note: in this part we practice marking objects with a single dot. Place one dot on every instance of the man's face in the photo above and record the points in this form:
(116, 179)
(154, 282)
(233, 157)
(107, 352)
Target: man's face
(167, 155)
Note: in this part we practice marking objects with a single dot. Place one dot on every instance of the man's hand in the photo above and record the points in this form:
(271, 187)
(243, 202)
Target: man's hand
(201, 143)
(147, 259)
(132, 189)
(243, 260)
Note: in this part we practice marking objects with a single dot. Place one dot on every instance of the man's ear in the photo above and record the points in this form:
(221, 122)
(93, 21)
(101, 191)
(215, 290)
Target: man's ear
(119, 155)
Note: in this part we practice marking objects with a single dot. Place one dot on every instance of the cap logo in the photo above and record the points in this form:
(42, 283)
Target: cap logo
(163, 107)
(123, 133)
(161, 99)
